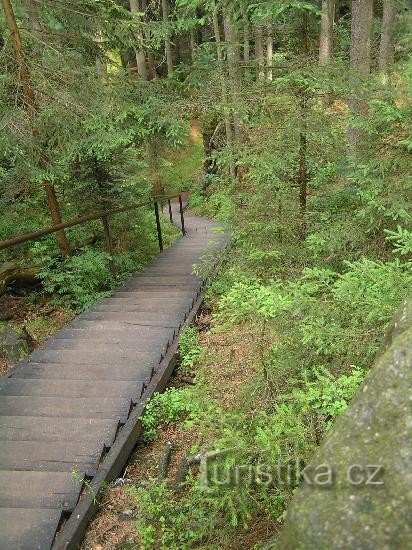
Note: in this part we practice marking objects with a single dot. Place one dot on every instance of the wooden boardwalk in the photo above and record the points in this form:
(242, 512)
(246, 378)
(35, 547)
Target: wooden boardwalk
(63, 407)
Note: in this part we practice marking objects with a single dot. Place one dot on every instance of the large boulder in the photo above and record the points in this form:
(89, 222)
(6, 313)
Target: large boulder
(357, 490)
(13, 343)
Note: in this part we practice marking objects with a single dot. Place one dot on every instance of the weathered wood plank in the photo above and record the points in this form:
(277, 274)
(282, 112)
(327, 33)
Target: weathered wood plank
(27, 528)
(69, 371)
(56, 456)
(65, 407)
(71, 388)
(95, 357)
(45, 428)
(54, 490)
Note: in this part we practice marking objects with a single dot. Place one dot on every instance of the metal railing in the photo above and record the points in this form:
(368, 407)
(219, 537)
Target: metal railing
(104, 217)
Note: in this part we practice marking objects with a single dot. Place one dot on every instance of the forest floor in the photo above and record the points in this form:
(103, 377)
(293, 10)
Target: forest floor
(39, 320)
(224, 373)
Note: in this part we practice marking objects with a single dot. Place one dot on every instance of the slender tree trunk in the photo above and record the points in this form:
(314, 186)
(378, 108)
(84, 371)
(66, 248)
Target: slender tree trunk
(386, 43)
(135, 8)
(168, 43)
(259, 53)
(303, 166)
(326, 32)
(228, 124)
(192, 39)
(269, 54)
(360, 63)
(303, 139)
(151, 62)
(246, 33)
(233, 69)
(31, 107)
(56, 218)
(34, 20)
(24, 73)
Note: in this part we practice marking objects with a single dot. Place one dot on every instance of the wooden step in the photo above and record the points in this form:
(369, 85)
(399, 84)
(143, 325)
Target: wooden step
(67, 371)
(71, 388)
(28, 528)
(130, 346)
(55, 456)
(46, 428)
(65, 407)
(96, 356)
(54, 490)
(115, 334)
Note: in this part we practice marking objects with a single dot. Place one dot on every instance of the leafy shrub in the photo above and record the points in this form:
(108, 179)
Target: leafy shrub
(327, 395)
(189, 347)
(163, 408)
(78, 281)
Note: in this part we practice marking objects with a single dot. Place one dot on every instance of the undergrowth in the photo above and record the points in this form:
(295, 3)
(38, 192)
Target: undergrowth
(317, 308)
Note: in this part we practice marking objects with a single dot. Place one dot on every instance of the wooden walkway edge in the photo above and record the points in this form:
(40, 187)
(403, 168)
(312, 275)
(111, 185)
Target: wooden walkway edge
(75, 404)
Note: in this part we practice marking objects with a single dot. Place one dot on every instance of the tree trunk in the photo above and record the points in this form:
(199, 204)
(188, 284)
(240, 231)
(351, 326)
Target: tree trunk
(56, 218)
(192, 40)
(29, 98)
(168, 43)
(140, 54)
(360, 63)
(361, 30)
(246, 34)
(10, 272)
(30, 105)
(34, 20)
(259, 53)
(269, 54)
(326, 32)
(386, 43)
(152, 66)
(223, 87)
(233, 69)
(303, 166)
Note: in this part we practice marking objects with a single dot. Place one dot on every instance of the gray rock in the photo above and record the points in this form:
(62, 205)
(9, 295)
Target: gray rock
(13, 343)
(367, 501)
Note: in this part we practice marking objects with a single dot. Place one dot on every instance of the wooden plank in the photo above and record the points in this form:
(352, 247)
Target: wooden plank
(65, 407)
(54, 490)
(28, 528)
(45, 428)
(119, 333)
(95, 356)
(112, 326)
(69, 371)
(146, 318)
(74, 344)
(121, 304)
(71, 388)
(56, 456)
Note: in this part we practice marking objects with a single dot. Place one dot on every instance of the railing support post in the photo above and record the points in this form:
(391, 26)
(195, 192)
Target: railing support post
(182, 217)
(158, 226)
(170, 210)
(109, 244)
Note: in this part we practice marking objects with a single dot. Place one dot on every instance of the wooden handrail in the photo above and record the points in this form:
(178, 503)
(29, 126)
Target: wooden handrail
(34, 235)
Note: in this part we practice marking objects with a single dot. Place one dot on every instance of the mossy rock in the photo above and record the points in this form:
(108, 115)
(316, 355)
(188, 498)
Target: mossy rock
(14, 345)
(368, 501)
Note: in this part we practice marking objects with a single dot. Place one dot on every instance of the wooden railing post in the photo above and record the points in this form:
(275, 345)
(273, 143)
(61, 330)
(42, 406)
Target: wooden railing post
(182, 217)
(170, 210)
(158, 226)
(109, 244)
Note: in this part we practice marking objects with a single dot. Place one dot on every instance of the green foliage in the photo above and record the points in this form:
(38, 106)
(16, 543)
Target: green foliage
(78, 281)
(163, 408)
(190, 349)
(329, 396)
(401, 239)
